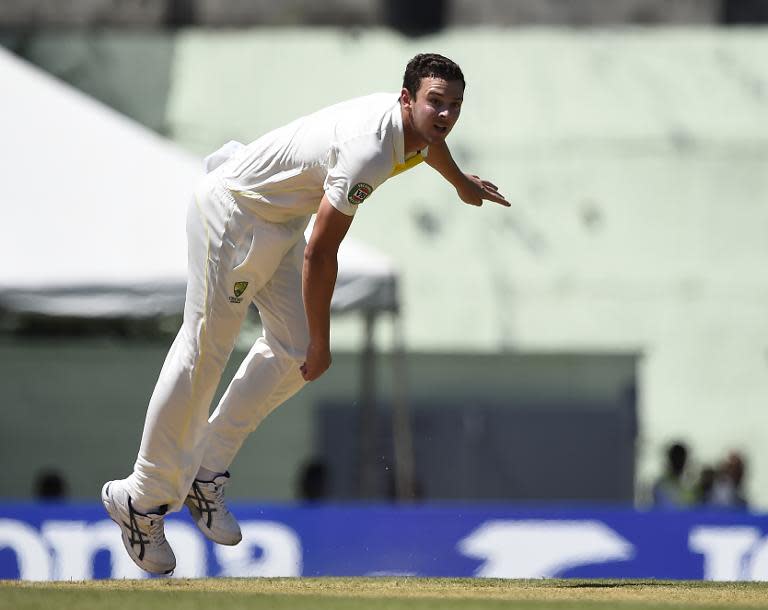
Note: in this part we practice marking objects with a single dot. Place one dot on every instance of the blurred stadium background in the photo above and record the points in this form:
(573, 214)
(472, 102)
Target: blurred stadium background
(546, 354)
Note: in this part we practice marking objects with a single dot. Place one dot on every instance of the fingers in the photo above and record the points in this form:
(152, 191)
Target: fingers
(483, 190)
(496, 198)
(311, 373)
(307, 373)
(491, 193)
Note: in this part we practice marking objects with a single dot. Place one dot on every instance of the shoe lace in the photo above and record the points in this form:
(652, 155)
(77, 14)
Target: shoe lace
(209, 499)
(218, 492)
(156, 531)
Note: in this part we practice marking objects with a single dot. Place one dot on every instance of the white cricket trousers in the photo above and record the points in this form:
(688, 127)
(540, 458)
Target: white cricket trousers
(228, 246)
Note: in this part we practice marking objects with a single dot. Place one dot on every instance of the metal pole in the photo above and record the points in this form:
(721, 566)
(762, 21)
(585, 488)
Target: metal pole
(367, 452)
(401, 421)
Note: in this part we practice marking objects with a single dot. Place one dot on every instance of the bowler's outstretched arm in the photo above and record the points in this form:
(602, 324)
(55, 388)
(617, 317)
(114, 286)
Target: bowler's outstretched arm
(470, 188)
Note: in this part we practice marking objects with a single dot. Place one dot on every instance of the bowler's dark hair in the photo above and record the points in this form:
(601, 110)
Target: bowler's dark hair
(426, 65)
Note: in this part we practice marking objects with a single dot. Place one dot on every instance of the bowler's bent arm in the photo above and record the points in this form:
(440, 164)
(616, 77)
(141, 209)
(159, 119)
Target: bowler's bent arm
(318, 281)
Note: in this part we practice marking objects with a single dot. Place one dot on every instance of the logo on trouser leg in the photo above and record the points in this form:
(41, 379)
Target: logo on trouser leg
(239, 289)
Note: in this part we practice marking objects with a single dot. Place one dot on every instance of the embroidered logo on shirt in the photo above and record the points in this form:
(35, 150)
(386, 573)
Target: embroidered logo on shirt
(359, 192)
(239, 289)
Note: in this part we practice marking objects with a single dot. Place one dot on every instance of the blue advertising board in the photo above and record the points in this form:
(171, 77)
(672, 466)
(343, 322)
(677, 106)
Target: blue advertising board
(70, 541)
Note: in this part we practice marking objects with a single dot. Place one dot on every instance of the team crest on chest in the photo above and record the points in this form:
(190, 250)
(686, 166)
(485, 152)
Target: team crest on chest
(359, 192)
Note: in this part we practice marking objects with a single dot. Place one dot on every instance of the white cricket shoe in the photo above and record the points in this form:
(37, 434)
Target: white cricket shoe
(205, 502)
(143, 534)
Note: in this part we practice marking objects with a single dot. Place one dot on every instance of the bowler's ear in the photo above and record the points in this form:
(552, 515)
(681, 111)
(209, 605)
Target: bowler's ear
(405, 98)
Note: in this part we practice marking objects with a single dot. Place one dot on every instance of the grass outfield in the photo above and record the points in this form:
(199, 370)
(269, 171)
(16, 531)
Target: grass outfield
(378, 594)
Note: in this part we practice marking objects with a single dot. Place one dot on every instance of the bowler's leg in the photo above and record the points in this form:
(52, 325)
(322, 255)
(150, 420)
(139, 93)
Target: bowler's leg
(174, 432)
(270, 373)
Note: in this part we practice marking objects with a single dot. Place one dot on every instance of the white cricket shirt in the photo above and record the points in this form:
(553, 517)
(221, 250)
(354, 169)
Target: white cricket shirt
(344, 151)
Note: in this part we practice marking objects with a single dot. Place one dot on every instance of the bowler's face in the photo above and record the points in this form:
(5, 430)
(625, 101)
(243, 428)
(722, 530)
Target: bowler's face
(436, 108)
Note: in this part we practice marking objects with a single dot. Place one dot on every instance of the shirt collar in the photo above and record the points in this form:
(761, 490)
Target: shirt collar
(399, 133)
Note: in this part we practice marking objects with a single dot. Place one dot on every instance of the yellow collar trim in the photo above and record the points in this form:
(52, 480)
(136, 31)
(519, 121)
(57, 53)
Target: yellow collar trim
(409, 163)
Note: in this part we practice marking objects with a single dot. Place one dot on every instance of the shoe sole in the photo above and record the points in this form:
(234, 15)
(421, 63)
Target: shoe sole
(110, 507)
(197, 518)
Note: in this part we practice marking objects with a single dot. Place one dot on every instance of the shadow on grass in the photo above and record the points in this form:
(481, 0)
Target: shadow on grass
(613, 584)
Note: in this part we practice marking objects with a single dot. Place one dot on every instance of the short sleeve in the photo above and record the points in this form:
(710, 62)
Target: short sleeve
(225, 153)
(357, 168)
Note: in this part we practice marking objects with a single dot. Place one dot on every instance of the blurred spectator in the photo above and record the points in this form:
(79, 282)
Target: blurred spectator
(727, 490)
(705, 485)
(313, 481)
(50, 486)
(671, 490)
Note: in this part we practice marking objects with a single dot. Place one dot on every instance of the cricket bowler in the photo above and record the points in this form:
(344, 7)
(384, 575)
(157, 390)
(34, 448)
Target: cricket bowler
(245, 231)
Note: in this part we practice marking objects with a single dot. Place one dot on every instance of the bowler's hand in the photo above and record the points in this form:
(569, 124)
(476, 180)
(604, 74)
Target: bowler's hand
(474, 190)
(317, 361)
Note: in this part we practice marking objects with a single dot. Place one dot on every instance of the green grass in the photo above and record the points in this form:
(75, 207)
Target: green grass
(379, 594)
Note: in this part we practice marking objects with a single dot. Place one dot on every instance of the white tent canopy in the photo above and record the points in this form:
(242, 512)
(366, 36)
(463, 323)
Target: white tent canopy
(93, 211)
(366, 280)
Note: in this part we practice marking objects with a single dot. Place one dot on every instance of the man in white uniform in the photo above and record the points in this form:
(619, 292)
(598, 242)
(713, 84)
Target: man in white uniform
(246, 244)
